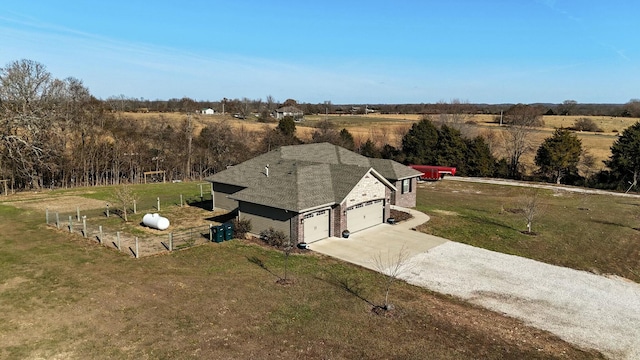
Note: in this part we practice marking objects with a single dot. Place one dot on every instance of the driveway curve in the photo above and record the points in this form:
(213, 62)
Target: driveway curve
(588, 310)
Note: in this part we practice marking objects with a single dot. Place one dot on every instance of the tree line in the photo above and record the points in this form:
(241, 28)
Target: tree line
(245, 106)
(54, 133)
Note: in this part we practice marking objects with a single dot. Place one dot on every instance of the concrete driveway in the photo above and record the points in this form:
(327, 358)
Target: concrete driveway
(381, 240)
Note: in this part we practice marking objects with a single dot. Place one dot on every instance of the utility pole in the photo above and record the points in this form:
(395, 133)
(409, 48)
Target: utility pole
(326, 109)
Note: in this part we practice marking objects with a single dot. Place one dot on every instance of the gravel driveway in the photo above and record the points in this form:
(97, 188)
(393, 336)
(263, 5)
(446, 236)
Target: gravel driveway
(582, 308)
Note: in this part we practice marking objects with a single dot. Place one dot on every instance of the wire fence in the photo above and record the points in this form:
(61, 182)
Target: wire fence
(86, 224)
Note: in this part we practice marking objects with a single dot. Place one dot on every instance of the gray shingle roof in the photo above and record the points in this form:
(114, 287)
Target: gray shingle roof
(393, 170)
(289, 109)
(305, 176)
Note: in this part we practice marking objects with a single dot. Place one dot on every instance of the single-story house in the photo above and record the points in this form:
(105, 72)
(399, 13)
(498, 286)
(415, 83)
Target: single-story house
(208, 111)
(314, 191)
(292, 111)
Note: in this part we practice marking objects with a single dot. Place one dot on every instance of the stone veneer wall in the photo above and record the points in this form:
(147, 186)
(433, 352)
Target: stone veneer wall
(367, 189)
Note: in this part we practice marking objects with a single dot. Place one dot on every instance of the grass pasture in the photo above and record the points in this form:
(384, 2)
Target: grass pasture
(596, 233)
(63, 296)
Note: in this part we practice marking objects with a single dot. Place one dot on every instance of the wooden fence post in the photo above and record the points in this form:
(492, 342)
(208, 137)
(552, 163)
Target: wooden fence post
(70, 224)
(201, 194)
(118, 239)
(84, 226)
(58, 221)
(46, 215)
(100, 236)
(170, 241)
(107, 209)
(158, 200)
(78, 213)
(135, 210)
(210, 232)
(180, 200)
(137, 248)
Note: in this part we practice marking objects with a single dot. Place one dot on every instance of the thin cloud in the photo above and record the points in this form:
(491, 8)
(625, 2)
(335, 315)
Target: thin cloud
(226, 68)
(552, 4)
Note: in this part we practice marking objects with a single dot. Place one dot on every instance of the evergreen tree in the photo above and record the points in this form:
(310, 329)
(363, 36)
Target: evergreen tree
(390, 152)
(346, 140)
(287, 126)
(451, 149)
(558, 156)
(624, 162)
(480, 161)
(419, 144)
(369, 149)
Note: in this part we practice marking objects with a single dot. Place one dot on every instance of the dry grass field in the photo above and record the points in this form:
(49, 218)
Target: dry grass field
(390, 128)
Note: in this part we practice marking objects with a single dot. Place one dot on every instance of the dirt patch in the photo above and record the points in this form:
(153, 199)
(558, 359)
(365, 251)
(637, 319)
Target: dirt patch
(12, 283)
(60, 204)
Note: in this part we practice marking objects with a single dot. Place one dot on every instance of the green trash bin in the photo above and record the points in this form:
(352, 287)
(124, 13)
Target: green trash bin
(228, 231)
(218, 233)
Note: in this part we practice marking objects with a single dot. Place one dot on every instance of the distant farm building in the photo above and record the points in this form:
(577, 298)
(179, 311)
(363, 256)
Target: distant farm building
(292, 111)
(208, 111)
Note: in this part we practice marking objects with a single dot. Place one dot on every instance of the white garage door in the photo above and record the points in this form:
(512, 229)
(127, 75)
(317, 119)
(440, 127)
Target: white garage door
(316, 225)
(365, 215)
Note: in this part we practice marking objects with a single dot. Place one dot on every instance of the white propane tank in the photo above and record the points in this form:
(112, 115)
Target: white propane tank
(155, 221)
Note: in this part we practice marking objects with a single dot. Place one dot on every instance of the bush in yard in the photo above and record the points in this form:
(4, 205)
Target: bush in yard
(241, 228)
(274, 237)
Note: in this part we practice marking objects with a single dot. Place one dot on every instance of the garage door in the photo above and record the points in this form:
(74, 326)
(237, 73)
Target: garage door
(365, 215)
(316, 225)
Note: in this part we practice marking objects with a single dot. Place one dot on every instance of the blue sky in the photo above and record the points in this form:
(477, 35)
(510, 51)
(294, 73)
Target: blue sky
(489, 51)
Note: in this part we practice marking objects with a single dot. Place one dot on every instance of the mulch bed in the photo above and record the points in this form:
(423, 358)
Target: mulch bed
(400, 216)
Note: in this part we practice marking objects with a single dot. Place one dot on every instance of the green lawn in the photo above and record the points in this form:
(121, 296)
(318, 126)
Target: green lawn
(587, 232)
(63, 296)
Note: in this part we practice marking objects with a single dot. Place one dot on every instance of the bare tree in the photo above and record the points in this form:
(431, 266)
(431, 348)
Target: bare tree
(271, 103)
(456, 115)
(119, 103)
(493, 140)
(587, 164)
(325, 132)
(188, 128)
(25, 122)
(567, 107)
(521, 119)
(245, 108)
(124, 197)
(530, 207)
(218, 146)
(398, 133)
(392, 267)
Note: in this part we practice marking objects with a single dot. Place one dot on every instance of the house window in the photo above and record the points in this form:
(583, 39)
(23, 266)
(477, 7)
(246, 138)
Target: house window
(406, 186)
